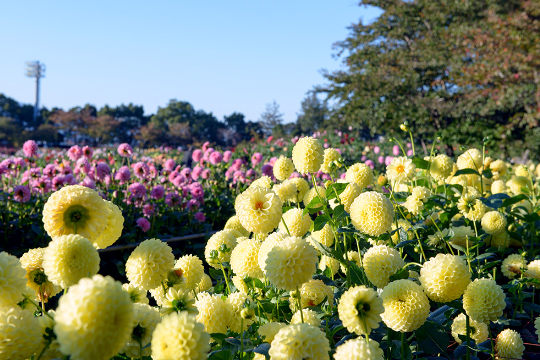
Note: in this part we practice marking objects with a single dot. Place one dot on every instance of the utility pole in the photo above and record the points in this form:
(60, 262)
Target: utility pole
(35, 70)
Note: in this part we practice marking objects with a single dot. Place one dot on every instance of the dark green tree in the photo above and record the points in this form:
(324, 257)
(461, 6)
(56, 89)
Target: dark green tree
(271, 120)
(312, 114)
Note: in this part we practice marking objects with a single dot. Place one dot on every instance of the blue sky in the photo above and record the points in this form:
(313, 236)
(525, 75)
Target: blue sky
(220, 55)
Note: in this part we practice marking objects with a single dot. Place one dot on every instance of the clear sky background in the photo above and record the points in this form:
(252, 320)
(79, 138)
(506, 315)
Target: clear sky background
(220, 55)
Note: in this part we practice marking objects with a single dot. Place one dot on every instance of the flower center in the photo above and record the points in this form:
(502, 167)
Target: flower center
(400, 168)
(259, 205)
(362, 308)
(75, 216)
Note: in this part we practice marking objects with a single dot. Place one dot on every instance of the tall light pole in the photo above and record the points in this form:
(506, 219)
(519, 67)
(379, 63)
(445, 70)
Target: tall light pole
(35, 70)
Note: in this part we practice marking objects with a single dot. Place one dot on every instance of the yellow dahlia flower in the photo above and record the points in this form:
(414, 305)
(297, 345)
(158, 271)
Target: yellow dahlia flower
(136, 294)
(290, 263)
(380, 262)
(94, 311)
(266, 246)
(352, 257)
(69, 258)
(220, 244)
(297, 224)
(441, 167)
(331, 156)
(149, 263)
(240, 284)
(283, 168)
(329, 262)
(347, 197)
(483, 300)
(259, 209)
(177, 300)
(191, 268)
(498, 186)
(359, 349)
(414, 205)
(509, 345)
(113, 230)
(493, 222)
(160, 292)
(517, 183)
(205, 284)
(146, 319)
(302, 187)
(12, 280)
(360, 310)
(180, 337)
(32, 262)
(300, 341)
(360, 174)
(513, 265)
(401, 170)
(478, 330)
(307, 155)
(470, 159)
(286, 191)
(214, 313)
(421, 192)
(269, 330)
(533, 271)
(264, 182)
(461, 235)
(312, 194)
(406, 307)
(234, 224)
(471, 207)
(75, 209)
(498, 166)
(372, 213)
(445, 277)
(324, 236)
(402, 224)
(314, 292)
(244, 259)
(20, 334)
(310, 317)
(237, 302)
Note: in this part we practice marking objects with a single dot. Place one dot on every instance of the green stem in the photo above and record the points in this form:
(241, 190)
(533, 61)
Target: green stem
(285, 224)
(225, 276)
(44, 349)
(468, 336)
(403, 345)
(300, 305)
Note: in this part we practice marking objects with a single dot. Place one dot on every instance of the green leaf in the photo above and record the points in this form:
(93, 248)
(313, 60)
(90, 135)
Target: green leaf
(401, 274)
(420, 163)
(339, 212)
(315, 203)
(328, 251)
(333, 188)
(530, 218)
(466, 172)
(356, 274)
(224, 354)
(514, 200)
(432, 338)
(320, 221)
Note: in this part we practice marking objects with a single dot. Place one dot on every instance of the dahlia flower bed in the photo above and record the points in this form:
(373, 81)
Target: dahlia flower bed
(433, 258)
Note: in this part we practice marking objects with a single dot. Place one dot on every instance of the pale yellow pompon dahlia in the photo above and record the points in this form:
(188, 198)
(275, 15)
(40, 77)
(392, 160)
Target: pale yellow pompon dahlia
(237, 302)
(286, 191)
(328, 262)
(533, 271)
(441, 167)
(221, 244)
(234, 224)
(493, 222)
(421, 192)
(290, 263)
(509, 345)
(240, 284)
(266, 246)
(445, 277)
(313, 293)
(94, 311)
(205, 284)
(136, 294)
(517, 183)
(177, 300)
(180, 337)
(69, 258)
(372, 213)
(360, 174)
(214, 313)
(406, 307)
(498, 166)
(75, 209)
(269, 330)
(352, 257)
(513, 265)
(478, 330)
(521, 170)
(191, 268)
(498, 186)
(312, 194)
(307, 155)
(149, 263)
(259, 209)
(472, 208)
(283, 168)
(324, 236)
(297, 224)
(401, 170)
(113, 230)
(12, 280)
(302, 187)
(20, 334)
(461, 235)
(32, 262)
(360, 310)
(359, 349)
(159, 292)
(331, 156)
(348, 195)
(380, 262)
(244, 259)
(300, 341)
(470, 159)
(414, 205)
(483, 300)
(310, 317)
(264, 181)
(146, 318)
